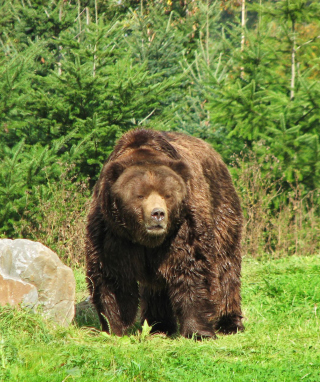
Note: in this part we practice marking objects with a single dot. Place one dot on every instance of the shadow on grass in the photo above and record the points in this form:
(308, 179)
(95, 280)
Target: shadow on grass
(86, 315)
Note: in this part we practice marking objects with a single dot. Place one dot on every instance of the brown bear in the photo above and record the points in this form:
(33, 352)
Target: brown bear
(164, 229)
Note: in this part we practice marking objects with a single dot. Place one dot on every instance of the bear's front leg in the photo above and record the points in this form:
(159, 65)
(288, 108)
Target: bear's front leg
(116, 305)
(157, 310)
(194, 307)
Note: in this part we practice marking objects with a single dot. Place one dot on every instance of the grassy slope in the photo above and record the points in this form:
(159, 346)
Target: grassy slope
(281, 341)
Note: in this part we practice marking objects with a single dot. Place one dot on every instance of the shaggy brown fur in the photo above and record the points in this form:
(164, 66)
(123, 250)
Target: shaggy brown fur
(164, 229)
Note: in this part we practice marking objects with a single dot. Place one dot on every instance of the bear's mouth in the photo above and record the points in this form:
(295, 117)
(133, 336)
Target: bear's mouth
(156, 229)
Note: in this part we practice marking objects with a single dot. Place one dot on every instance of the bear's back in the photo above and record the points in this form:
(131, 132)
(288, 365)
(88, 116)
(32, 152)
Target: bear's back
(192, 148)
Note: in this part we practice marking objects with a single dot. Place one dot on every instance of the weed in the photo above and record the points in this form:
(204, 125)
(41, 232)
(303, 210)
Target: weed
(277, 222)
(61, 218)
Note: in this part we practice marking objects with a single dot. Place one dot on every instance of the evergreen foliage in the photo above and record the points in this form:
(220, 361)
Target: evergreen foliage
(24, 176)
(249, 96)
(76, 75)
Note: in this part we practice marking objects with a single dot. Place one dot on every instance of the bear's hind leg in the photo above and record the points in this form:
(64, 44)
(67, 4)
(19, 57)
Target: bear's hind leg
(157, 310)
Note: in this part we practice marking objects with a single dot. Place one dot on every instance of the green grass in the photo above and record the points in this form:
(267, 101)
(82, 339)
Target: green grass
(281, 341)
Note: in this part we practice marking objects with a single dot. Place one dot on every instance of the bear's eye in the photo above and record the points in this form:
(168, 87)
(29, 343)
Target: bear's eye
(168, 196)
(140, 197)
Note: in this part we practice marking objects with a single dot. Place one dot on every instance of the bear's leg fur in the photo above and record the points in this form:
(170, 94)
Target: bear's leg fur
(115, 297)
(230, 324)
(117, 306)
(157, 310)
(194, 307)
(230, 306)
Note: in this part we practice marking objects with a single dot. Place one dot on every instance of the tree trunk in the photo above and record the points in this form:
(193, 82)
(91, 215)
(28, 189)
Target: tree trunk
(293, 61)
(243, 24)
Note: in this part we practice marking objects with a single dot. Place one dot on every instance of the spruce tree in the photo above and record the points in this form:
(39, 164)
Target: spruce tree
(250, 97)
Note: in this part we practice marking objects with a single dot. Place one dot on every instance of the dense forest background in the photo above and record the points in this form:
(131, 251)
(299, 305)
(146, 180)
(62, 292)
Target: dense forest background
(75, 75)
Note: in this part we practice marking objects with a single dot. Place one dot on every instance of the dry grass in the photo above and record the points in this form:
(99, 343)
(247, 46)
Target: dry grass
(277, 222)
(61, 219)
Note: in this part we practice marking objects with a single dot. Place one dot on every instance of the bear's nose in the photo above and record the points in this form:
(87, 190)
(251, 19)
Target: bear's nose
(158, 214)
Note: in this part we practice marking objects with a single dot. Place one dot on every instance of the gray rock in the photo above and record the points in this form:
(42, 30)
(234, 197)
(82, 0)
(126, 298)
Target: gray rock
(33, 275)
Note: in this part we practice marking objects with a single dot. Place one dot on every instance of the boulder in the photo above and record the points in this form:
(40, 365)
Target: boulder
(14, 291)
(32, 275)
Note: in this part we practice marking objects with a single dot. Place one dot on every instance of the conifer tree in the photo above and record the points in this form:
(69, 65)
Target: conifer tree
(257, 110)
(75, 75)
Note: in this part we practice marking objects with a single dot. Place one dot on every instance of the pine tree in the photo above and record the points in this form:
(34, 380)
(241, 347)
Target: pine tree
(257, 109)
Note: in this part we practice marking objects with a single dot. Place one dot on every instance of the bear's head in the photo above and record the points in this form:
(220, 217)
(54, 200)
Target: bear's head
(144, 202)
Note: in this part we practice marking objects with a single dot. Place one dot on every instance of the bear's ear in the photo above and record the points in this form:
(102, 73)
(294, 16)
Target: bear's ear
(114, 170)
(181, 168)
